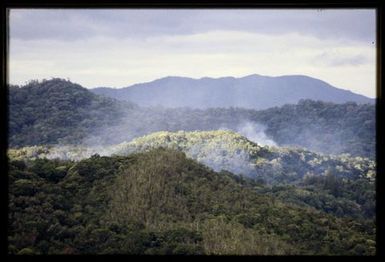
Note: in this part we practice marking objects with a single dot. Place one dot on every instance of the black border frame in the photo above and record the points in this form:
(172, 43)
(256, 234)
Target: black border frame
(228, 4)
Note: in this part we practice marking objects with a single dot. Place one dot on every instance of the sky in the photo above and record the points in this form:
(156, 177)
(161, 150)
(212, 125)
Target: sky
(121, 47)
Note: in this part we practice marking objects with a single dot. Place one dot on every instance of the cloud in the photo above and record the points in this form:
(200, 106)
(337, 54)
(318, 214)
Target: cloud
(73, 24)
(336, 59)
(354, 61)
(118, 48)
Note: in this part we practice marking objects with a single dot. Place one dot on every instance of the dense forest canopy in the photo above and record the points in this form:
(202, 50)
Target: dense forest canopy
(57, 111)
(161, 202)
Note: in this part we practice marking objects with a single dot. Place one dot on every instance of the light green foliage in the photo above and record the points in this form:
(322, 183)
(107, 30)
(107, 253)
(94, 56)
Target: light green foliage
(222, 150)
(227, 150)
(221, 237)
(218, 149)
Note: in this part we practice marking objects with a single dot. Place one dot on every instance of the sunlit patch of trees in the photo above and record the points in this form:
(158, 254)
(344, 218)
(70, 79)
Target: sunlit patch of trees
(223, 150)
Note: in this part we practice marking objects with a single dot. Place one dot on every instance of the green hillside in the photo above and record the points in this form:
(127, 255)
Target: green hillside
(57, 111)
(160, 202)
(230, 151)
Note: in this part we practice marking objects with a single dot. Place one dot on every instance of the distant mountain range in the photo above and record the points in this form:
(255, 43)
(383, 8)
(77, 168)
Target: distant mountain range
(253, 92)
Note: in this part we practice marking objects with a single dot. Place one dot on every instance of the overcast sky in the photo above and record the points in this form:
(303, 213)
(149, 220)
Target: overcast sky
(117, 48)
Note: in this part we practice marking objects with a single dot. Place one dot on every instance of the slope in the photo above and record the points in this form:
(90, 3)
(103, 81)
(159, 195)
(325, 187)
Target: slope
(176, 206)
(57, 111)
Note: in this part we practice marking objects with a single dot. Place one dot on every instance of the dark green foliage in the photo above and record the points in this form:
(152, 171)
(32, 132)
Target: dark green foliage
(356, 195)
(175, 206)
(356, 203)
(324, 127)
(57, 111)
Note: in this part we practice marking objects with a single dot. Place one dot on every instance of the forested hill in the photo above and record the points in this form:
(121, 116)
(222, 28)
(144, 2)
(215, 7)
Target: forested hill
(161, 202)
(56, 110)
(323, 127)
(223, 150)
(252, 92)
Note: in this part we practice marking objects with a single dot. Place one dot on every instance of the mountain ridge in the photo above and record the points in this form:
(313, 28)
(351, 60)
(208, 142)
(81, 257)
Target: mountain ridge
(252, 91)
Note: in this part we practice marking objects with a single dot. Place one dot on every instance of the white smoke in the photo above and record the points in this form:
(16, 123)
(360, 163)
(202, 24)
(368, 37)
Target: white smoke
(221, 157)
(256, 133)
